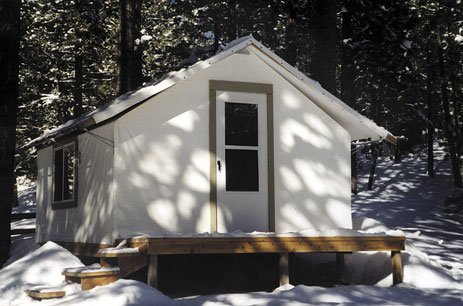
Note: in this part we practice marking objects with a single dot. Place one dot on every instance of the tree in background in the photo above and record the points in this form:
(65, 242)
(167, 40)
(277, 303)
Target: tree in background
(129, 63)
(67, 65)
(9, 67)
(347, 77)
(323, 34)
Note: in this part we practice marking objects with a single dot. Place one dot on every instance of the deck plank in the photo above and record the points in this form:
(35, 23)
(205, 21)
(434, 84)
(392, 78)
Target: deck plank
(237, 245)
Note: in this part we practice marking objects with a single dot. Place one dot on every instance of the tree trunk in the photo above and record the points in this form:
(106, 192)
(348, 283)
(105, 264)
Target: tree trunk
(449, 130)
(348, 86)
(431, 79)
(353, 169)
(397, 151)
(291, 32)
(231, 26)
(78, 59)
(129, 74)
(374, 158)
(323, 32)
(453, 53)
(78, 70)
(9, 68)
(216, 36)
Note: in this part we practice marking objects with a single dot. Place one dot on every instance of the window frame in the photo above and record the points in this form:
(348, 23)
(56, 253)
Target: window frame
(70, 203)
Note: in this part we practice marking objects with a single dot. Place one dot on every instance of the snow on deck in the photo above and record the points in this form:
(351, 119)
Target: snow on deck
(90, 269)
(339, 232)
(119, 251)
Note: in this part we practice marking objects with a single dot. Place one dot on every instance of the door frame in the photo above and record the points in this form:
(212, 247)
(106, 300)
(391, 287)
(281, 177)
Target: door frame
(245, 87)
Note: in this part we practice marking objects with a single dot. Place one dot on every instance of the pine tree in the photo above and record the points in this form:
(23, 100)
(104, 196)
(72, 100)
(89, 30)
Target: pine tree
(9, 66)
(129, 68)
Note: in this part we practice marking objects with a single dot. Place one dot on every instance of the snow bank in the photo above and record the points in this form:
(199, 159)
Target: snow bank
(41, 267)
(121, 292)
(20, 247)
(345, 295)
(374, 268)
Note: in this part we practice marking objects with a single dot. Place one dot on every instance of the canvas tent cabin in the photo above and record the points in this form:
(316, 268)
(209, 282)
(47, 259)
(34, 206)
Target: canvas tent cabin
(240, 141)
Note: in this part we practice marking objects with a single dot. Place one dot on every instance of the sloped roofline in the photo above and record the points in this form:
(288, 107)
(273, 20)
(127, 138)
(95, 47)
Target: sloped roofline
(140, 95)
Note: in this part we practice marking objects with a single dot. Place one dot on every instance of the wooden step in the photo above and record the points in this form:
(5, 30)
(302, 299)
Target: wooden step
(39, 295)
(128, 259)
(91, 276)
(122, 251)
(115, 263)
(47, 292)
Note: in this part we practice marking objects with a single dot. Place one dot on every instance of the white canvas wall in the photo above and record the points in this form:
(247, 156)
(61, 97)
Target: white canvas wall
(91, 220)
(161, 169)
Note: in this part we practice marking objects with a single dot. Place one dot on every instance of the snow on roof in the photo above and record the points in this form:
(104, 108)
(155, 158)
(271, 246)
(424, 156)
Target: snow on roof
(356, 124)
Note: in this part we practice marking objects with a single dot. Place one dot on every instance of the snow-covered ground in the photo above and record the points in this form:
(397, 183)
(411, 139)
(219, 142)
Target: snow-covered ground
(403, 199)
(26, 201)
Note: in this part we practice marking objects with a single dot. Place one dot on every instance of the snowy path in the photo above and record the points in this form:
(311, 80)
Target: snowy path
(405, 198)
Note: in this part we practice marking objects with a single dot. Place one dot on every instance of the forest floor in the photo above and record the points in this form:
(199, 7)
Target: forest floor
(404, 199)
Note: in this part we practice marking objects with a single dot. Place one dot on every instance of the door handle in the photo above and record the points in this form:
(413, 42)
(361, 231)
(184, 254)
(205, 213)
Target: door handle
(219, 166)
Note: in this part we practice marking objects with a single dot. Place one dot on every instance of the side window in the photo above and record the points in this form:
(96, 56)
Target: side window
(64, 175)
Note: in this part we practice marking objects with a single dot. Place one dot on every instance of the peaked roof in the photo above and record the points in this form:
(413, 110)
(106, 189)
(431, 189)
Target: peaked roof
(358, 126)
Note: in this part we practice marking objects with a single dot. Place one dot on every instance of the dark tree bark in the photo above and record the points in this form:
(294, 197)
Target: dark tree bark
(78, 61)
(323, 32)
(398, 151)
(449, 130)
(216, 36)
(374, 158)
(78, 70)
(9, 68)
(231, 26)
(353, 169)
(291, 32)
(453, 54)
(347, 84)
(129, 68)
(431, 79)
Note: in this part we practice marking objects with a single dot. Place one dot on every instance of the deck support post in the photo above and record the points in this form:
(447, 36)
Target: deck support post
(397, 272)
(340, 264)
(152, 279)
(283, 268)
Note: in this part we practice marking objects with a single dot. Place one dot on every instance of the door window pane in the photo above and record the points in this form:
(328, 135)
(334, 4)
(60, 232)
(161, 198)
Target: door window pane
(241, 124)
(242, 173)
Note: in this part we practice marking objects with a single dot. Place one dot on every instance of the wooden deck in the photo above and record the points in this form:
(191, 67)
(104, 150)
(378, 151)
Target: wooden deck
(271, 244)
